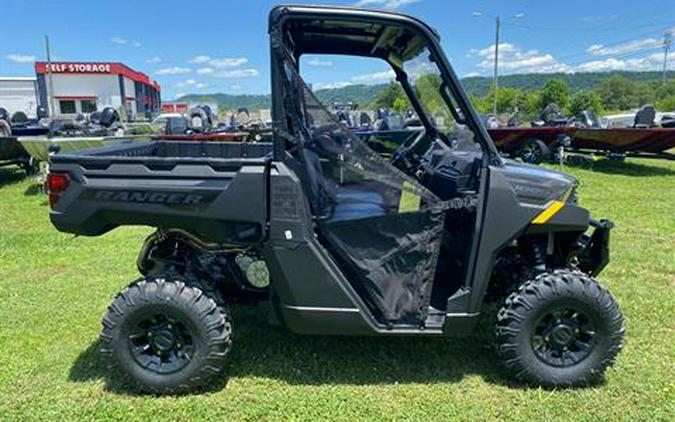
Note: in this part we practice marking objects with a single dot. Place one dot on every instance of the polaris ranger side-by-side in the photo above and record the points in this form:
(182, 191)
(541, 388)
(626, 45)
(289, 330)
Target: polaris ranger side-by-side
(337, 239)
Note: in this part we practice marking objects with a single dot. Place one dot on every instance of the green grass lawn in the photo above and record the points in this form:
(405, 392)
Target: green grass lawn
(55, 288)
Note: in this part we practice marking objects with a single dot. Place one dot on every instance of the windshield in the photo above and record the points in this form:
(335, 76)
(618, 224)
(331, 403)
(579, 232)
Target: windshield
(434, 97)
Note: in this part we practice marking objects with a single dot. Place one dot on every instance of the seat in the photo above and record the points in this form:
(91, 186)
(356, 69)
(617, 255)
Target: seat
(354, 203)
(645, 116)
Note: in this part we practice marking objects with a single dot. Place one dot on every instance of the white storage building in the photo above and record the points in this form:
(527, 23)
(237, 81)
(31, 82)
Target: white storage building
(19, 94)
(85, 87)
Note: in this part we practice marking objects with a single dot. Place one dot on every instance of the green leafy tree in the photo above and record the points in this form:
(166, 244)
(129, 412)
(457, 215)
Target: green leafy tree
(666, 104)
(662, 91)
(555, 91)
(586, 100)
(428, 88)
(389, 95)
(533, 101)
(506, 99)
(480, 104)
(618, 93)
(644, 94)
(400, 104)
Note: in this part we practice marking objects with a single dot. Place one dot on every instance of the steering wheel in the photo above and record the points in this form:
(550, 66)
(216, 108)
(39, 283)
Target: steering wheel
(404, 157)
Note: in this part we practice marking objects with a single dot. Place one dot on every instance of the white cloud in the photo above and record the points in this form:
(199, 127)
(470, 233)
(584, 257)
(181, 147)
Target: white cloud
(630, 46)
(513, 59)
(154, 60)
(221, 63)
(179, 94)
(236, 87)
(233, 74)
(173, 71)
(330, 85)
(185, 83)
(319, 63)
(651, 62)
(118, 40)
(123, 41)
(20, 58)
(199, 59)
(205, 71)
(228, 62)
(385, 4)
(375, 77)
(191, 83)
(472, 74)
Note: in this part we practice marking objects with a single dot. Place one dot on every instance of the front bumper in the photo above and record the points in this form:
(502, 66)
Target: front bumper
(594, 253)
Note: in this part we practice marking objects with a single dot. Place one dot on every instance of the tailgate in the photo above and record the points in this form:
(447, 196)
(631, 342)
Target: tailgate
(221, 200)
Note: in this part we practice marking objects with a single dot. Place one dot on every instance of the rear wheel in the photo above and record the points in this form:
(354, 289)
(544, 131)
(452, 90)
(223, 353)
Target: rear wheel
(166, 336)
(535, 151)
(560, 329)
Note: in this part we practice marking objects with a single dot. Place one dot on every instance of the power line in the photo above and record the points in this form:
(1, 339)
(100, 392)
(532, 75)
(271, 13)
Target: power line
(639, 50)
(613, 44)
(613, 28)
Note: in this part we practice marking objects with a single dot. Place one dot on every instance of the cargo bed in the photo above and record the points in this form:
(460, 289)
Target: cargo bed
(194, 186)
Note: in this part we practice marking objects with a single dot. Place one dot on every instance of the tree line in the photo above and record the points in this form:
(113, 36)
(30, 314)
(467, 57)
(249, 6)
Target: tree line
(612, 95)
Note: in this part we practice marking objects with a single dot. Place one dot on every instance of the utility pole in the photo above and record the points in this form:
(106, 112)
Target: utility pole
(667, 41)
(50, 93)
(496, 83)
(498, 23)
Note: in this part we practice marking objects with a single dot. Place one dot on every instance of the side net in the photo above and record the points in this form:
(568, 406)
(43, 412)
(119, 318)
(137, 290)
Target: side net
(382, 227)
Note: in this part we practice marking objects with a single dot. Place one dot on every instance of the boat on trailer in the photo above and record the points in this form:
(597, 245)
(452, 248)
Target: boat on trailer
(13, 153)
(39, 147)
(627, 142)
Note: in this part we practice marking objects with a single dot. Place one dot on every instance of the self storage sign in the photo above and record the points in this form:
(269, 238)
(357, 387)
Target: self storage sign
(80, 67)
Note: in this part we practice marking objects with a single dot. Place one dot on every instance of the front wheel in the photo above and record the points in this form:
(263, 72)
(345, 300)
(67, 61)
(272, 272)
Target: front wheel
(559, 329)
(166, 335)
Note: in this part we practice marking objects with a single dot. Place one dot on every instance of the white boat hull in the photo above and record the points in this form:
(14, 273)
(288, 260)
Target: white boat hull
(38, 146)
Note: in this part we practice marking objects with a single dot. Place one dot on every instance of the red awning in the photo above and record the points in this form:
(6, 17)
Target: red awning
(81, 97)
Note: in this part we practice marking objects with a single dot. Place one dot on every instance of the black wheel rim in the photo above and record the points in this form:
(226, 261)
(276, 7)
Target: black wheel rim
(563, 337)
(531, 153)
(161, 344)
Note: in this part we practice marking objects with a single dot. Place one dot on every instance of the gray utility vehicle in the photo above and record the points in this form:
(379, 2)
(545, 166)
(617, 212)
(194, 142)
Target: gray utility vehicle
(337, 239)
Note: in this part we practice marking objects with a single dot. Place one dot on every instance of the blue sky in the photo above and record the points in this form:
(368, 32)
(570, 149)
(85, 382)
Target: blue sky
(221, 46)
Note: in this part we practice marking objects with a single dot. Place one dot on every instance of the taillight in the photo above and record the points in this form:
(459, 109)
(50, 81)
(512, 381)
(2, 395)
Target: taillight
(57, 183)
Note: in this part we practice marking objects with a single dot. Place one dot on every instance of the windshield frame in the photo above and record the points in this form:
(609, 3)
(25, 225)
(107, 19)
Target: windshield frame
(281, 16)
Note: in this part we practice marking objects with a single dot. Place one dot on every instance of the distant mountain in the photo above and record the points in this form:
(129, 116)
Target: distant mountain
(576, 81)
(228, 101)
(359, 94)
(478, 85)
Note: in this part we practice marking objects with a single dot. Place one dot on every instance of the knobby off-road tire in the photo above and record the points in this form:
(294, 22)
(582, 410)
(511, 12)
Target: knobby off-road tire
(560, 329)
(167, 336)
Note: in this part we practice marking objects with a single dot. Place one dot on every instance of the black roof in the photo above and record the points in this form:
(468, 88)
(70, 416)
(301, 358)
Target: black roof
(348, 30)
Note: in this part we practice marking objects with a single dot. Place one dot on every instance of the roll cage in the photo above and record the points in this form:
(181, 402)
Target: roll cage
(392, 37)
